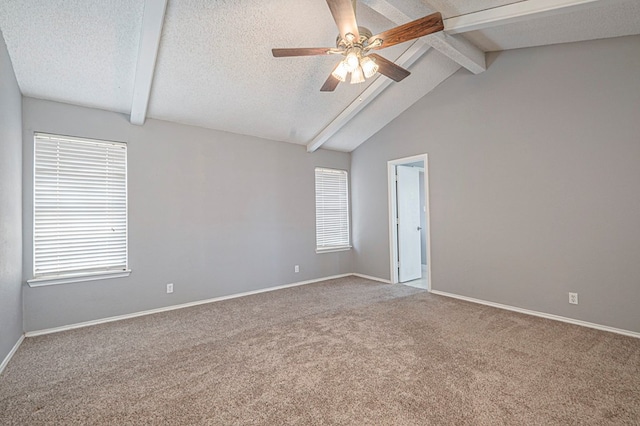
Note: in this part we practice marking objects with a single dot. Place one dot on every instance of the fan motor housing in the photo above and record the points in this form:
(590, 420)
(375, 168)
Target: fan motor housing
(365, 34)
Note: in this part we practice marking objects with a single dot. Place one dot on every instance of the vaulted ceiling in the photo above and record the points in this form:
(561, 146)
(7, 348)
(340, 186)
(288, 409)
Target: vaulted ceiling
(209, 63)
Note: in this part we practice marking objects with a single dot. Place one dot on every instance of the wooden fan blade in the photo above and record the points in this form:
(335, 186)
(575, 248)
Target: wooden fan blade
(388, 68)
(345, 16)
(330, 85)
(302, 51)
(412, 30)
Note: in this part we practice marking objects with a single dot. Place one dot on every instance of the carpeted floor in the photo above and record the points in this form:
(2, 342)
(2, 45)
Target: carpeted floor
(346, 351)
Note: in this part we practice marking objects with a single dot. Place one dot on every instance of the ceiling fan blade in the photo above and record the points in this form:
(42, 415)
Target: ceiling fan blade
(330, 85)
(388, 68)
(302, 51)
(412, 30)
(344, 14)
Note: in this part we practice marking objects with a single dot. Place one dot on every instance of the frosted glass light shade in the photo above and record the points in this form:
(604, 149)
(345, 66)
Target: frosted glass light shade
(340, 72)
(357, 76)
(369, 67)
(352, 61)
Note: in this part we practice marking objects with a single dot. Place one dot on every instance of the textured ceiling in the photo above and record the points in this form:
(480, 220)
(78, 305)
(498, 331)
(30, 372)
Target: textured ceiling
(215, 69)
(78, 52)
(215, 65)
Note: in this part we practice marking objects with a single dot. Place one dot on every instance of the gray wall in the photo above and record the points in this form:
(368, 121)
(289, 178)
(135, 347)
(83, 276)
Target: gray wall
(534, 181)
(214, 213)
(10, 205)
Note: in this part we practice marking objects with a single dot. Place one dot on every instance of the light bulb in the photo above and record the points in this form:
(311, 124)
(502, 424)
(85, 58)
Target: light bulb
(369, 66)
(352, 61)
(357, 76)
(340, 72)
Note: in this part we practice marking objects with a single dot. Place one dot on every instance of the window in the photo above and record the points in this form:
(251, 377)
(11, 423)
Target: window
(79, 208)
(332, 210)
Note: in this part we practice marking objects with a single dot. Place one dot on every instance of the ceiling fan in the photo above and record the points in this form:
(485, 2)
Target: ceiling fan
(355, 43)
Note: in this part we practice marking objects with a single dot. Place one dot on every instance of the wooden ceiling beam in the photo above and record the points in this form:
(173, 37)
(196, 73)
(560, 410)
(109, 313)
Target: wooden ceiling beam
(515, 12)
(412, 54)
(455, 48)
(150, 33)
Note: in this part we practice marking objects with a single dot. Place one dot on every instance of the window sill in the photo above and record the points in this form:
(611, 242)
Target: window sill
(333, 250)
(66, 279)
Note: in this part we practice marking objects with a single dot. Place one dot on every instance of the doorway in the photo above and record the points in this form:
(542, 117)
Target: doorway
(409, 230)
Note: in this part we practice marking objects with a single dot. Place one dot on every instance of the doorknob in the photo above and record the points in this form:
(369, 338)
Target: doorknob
(419, 228)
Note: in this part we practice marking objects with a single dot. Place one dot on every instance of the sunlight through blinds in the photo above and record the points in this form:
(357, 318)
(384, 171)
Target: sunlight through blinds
(80, 206)
(332, 209)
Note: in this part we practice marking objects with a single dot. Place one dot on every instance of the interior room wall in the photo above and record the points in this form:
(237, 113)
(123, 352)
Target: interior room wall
(214, 213)
(423, 223)
(10, 205)
(534, 181)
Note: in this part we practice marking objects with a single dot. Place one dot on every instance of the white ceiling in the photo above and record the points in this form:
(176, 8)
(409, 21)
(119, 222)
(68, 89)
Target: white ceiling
(79, 52)
(214, 66)
(215, 58)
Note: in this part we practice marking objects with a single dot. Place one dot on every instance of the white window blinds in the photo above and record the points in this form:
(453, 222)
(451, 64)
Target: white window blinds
(80, 206)
(332, 209)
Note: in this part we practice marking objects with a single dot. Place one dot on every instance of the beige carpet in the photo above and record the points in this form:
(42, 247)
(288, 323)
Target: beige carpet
(347, 351)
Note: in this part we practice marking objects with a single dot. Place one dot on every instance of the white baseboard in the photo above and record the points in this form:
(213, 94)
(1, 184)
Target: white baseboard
(10, 354)
(369, 277)
(300, 283)
(540, 314)
(174, 307)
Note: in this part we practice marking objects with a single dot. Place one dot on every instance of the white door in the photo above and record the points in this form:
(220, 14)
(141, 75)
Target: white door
(408, 196)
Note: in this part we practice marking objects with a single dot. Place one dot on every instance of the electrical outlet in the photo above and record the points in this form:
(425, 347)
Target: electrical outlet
(573, 298)
(296, 269)
(170, 288)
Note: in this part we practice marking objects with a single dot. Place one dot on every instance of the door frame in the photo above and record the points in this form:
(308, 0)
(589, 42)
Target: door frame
(393, 214)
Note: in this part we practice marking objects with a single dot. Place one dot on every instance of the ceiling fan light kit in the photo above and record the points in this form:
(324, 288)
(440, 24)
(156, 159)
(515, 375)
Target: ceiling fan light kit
(355, 62)
(354, 43)
(369, 66)
(357, 76)
(340, 72)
